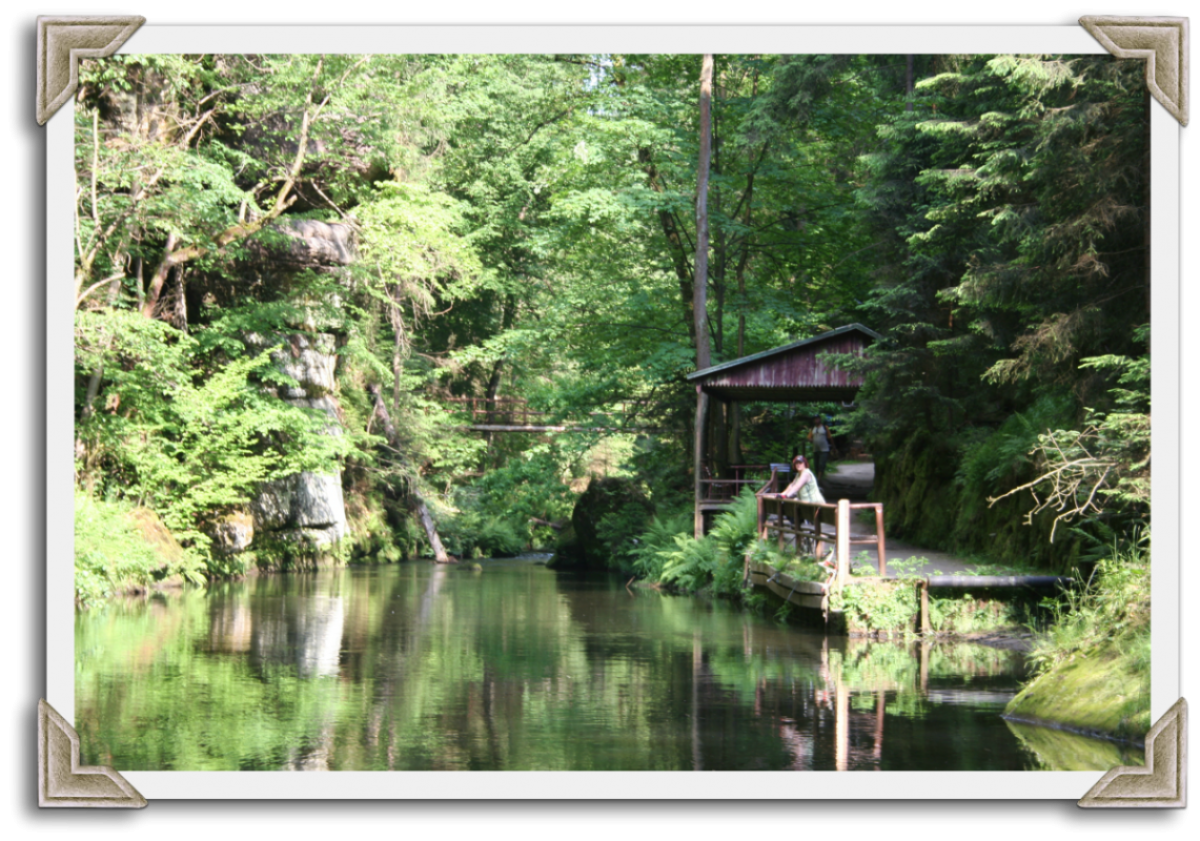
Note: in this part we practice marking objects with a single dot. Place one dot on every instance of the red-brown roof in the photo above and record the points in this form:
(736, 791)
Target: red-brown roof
(796, 372)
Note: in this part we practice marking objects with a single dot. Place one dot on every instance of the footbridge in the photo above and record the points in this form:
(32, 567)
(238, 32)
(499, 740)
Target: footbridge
(513, 414)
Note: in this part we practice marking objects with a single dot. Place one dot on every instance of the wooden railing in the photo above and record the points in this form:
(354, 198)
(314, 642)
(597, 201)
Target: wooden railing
(725, 490)
(498, 410)
(806, 521)
(512, 414)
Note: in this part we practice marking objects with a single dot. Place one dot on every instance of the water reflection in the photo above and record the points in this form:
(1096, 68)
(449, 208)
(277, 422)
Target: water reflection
(424, 668)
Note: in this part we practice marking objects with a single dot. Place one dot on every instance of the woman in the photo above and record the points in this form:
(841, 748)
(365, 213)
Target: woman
(804, 486)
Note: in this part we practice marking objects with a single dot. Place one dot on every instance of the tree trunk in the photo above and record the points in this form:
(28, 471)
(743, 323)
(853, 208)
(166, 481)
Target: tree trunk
(435, 542)
(93, 388)
(389, 431)
(679, 254)
(908, 82)
(700, 283)
(160, 276)
(509, 305)
(735, 409)
(698, 457)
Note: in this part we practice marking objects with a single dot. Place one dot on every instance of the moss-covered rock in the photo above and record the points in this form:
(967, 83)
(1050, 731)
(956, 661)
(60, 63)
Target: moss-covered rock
(610, 511)
(1102, 694)
(157, 536)
(928, 503)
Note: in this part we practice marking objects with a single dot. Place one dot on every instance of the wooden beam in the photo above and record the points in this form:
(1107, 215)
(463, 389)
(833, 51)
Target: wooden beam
(843, 541)
(495, 427)
(698, 457)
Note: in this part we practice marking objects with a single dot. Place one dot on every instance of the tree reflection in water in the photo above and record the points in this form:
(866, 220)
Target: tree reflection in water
(423, 667)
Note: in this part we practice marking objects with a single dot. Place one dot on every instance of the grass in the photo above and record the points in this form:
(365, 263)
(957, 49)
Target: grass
(1093, 658)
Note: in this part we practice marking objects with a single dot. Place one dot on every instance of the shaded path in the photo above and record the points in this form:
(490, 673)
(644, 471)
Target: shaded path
(853, 481)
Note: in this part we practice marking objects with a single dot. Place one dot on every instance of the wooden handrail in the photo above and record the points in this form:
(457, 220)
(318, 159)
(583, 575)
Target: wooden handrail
(841, 526)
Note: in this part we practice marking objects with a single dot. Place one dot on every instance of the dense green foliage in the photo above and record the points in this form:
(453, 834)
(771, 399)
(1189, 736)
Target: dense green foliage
(118, 548)
(522, 228)
(1012, 206)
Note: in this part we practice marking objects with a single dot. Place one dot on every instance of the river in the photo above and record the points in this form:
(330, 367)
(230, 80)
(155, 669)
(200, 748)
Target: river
(419, 667)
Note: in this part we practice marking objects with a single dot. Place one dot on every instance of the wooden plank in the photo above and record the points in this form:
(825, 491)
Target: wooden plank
(499, 427)
(699, 452)
(843, 541)
(882, 547)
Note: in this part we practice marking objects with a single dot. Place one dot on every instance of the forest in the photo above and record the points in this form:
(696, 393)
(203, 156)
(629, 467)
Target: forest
(361, 310)
(302, 280)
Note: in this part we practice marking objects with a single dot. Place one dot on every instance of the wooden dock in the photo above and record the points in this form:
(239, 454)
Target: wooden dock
(811, 527)
(809, 594)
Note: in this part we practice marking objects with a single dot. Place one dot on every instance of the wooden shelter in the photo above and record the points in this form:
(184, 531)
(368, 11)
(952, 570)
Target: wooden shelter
(795, 373)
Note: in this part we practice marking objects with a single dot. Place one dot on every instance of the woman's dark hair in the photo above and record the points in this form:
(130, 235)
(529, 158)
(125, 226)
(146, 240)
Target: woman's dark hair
(799, 458)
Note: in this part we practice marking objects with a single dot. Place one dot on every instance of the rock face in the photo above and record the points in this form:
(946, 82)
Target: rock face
(233, 534)
(611, 509)
(313, 243)
(303, 516)
(305, 508)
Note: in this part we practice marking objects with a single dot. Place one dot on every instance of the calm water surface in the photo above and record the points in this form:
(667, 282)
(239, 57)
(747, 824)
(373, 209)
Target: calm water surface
(418, 667)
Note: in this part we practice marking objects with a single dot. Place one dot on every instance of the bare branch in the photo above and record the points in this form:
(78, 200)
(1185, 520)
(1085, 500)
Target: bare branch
(80, 298)
(1068, 480)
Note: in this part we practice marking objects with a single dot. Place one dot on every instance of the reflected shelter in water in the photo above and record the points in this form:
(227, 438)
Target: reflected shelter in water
(424, 667)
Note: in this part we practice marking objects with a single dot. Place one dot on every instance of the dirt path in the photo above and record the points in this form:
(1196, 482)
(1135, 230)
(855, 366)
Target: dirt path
(853, 481)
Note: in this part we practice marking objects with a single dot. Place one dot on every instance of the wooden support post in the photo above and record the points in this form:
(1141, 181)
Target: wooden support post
(881, 545)
(701, 424)
(762, 519)
(779, 524)
(843, 541)
(926, 627)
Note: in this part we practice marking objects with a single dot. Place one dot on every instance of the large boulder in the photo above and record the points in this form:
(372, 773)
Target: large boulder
(308, 243)
(611, 512)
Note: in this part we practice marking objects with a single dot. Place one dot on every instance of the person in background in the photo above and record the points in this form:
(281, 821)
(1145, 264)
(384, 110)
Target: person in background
(822, 440)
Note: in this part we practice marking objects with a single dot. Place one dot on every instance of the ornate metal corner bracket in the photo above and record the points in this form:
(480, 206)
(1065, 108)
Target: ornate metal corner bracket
(1162, 42)
(62, 781)
(1162, 783)
(62, 42)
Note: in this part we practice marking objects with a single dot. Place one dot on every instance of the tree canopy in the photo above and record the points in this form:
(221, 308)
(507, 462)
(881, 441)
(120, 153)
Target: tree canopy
(524, 227)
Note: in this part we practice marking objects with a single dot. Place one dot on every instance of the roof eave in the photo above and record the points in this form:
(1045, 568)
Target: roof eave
(766, 354)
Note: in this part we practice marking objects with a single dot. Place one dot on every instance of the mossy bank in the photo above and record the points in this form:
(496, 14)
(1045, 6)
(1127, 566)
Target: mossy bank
(1104, 694)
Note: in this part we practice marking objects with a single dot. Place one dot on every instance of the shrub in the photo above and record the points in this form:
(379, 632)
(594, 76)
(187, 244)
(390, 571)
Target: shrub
(120, 548)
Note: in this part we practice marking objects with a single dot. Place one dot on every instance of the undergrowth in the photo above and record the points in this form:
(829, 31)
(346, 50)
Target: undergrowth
(1112, 608)
(120, 548)
(667, 553)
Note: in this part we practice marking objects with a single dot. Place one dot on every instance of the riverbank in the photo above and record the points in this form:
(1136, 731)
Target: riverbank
(1093, 658)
